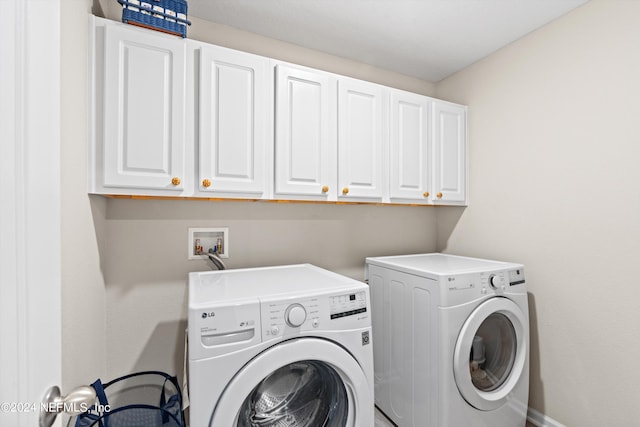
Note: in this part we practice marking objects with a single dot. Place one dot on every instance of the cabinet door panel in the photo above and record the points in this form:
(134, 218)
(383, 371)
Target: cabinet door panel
(233, 121)
(450, 153)
(144, 135)
(361, 138)
(410, 153)
(303, 138)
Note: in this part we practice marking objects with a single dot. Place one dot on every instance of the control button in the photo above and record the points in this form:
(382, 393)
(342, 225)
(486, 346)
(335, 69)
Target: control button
(295, 315)
(275, 330)
(495, 281)
(484, 290)
(315, 322)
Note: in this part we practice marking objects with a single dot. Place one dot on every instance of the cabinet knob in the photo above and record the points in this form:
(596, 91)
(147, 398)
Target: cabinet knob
(425, 194)
(345, 190)
(439, 195)
(206, 183)
(325, 189)
(175, 180)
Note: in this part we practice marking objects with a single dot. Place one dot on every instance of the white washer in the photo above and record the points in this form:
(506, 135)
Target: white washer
(451, 340)
(279, 346)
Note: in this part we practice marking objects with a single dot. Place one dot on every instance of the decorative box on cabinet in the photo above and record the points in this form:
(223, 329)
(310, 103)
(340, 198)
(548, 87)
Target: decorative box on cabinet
(139, 142)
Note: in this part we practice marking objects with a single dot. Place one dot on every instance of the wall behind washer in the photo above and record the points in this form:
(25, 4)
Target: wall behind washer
(555, 184)
(146, 262)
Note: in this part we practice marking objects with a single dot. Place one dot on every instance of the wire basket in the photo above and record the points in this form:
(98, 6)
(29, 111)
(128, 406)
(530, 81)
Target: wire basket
(168, 16)
(144, 399)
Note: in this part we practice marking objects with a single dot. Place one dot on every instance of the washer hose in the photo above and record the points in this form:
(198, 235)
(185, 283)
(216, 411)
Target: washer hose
(216, 260)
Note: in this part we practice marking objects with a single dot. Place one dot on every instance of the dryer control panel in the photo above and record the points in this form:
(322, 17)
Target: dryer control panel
(465, 287)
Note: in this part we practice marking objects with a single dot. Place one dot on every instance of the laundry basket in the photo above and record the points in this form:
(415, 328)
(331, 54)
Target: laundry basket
(168, 16)
(143, 399)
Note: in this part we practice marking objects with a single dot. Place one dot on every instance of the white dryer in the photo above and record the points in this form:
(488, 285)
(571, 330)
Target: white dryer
(451, 340)
(279, 346)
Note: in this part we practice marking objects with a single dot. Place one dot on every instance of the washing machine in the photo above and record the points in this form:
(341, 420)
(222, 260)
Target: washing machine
(451, 340)
(279, 346)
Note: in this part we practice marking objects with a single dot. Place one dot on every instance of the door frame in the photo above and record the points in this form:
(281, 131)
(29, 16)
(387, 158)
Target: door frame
(30, 247)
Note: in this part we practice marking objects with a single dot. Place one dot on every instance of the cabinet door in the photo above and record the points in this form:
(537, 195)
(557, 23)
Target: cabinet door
(144, 110)
(410, 147)
(233, 123)
(305, 145)
(450, 140)
(362, 140)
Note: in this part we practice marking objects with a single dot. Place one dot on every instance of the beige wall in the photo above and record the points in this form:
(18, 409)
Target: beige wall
(146, 259)
(83, 220)
(555, 184)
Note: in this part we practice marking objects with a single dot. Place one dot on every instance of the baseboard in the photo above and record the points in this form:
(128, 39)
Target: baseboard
(539, 419)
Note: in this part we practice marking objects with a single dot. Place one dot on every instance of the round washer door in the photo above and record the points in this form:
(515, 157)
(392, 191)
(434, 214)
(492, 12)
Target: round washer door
(490, 353)
(301, 382)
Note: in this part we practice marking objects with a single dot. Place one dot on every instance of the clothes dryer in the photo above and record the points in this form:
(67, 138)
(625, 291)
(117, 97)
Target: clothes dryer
(279, 346)
(451, 340)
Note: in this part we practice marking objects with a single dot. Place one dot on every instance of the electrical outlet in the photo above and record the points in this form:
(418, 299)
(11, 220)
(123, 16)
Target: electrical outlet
(203, 240)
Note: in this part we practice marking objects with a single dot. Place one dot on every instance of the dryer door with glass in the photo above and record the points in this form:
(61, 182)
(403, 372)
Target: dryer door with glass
(490, 353)
(302, 382)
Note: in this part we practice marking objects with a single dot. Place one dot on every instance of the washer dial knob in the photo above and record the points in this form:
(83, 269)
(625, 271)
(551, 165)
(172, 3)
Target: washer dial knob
(495, 281)
(295, 315)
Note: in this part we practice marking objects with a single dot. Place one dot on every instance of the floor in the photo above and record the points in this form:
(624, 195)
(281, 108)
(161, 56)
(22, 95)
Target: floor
(382, 421)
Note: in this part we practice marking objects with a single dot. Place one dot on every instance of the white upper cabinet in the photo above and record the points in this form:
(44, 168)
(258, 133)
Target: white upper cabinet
(305, 134)
(410, 148)
(234, 123)
(178, 117)
(362, 140)
(450, 143)
(142, 117)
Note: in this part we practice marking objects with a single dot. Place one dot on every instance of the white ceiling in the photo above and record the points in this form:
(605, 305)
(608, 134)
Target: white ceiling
(428, 39)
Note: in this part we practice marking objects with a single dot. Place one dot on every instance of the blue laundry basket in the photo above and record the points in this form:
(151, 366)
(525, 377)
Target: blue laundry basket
(143, 399)
(169, 16)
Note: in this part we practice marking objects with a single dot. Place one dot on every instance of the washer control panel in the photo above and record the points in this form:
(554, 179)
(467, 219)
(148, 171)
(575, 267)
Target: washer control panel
(348, 305)
(516, 277)
(295, 315)
(281, 316)
(326, 312)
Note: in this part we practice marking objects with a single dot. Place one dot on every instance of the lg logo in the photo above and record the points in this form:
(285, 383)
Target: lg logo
(210, 314)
